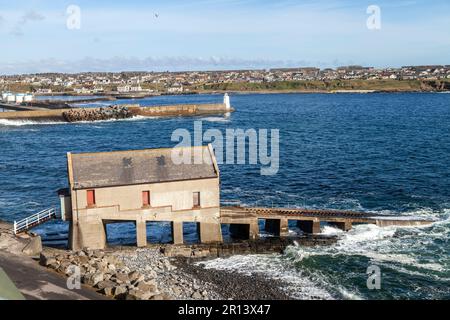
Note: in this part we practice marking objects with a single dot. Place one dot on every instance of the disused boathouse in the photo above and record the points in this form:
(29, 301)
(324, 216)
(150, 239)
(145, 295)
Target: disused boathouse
(148, 186)
(141, 186)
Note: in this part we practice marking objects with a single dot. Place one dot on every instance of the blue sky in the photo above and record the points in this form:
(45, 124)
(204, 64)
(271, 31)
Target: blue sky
(220, 34)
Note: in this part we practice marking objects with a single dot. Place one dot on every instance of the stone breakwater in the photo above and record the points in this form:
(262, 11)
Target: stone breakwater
(115, 112)
(98, 114)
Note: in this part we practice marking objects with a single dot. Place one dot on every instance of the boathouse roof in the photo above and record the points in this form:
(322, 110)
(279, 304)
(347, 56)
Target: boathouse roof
(121, 168)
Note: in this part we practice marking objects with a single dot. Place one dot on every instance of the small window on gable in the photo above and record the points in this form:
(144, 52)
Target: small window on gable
(91, 198)
(196, 199)
(145, 198)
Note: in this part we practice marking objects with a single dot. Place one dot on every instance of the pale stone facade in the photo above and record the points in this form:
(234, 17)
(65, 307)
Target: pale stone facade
(113, 187)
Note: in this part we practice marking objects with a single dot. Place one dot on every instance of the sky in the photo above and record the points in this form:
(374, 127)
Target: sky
(133, 35)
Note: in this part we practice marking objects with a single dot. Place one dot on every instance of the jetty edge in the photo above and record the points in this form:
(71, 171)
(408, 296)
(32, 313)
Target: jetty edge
(69, 114)
(134, 110)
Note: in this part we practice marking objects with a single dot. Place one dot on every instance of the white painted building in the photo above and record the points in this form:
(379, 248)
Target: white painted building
(127, 88)
(28, 98)
(176, 88)
(18, 98)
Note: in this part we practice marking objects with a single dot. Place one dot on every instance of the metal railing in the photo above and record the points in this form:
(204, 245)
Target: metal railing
(34, 220)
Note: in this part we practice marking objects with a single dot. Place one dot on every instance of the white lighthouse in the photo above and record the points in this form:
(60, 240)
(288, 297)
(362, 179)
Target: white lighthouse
(226, 101)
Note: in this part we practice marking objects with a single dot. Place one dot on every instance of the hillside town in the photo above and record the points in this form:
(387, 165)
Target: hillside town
(184, 82)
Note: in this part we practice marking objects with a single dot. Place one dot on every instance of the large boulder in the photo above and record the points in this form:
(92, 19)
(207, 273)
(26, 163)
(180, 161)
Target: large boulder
(139, 295)
(146, 287)
(34, 246)
(46, 259)
(105, 284)
(119, 291)
(91, 279)
(121, 278)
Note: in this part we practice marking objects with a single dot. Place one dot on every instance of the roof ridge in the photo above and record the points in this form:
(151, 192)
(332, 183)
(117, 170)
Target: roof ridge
(136, 150)
(130, 167)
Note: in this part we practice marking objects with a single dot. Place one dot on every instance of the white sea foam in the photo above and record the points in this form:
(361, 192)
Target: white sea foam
(297, 286)
(21, 123)
(216, 119)
(383, 246)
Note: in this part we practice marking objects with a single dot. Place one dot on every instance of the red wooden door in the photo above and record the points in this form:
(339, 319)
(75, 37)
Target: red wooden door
(196, 199)
(145, 198)
(91, 197)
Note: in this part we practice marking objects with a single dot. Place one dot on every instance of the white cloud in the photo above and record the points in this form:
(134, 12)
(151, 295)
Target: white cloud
(118, 64)
(29, 16)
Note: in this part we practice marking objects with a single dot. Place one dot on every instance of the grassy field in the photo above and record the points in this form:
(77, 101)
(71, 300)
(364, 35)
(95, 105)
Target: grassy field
(334, 85)
(284, 86)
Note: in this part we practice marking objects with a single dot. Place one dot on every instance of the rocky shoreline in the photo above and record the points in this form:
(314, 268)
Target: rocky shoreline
(235, 286)
(147, 274)
(170, 272)
(159, 272)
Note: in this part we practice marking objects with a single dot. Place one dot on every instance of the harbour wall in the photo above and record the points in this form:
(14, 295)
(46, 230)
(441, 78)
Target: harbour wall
(136, 110)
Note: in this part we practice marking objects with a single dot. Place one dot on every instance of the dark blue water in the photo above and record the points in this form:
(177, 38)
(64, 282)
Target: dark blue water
(386, 153)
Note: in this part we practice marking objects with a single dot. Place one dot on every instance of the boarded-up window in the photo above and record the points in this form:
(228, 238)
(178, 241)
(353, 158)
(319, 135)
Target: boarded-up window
(145, 198)
(91, 197)
(196, 199)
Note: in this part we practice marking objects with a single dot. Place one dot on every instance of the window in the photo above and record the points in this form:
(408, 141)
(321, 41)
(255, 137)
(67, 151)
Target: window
(91, 198)
(145, 198)
(196, 199)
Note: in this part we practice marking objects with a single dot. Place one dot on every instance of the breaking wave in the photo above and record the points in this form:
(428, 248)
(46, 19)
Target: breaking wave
(22, 123)
(320, 272)
(216, 119)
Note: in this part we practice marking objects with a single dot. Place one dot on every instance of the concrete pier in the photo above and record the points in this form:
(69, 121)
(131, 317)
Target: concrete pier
(344, 226)
(309, 226)
(141, 233)
(309, 221)
(177, 232)
(278, 227)
(210, 232)
(242, 226)
(135, 110)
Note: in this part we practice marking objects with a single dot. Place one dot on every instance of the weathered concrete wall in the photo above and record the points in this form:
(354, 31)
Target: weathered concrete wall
(170, 201)
(26, 243)
(38, 115)
(178, 195)
(261, 246)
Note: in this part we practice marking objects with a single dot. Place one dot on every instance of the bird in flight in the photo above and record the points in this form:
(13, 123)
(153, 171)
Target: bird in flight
(156, 15)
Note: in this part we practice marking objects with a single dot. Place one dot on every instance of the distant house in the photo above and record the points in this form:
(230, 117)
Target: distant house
(176, 88)
(128, 88)
(17, 98)
(44, 91)
(140, 186)
(83, 90)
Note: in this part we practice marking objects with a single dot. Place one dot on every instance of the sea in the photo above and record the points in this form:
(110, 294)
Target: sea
(380, 153)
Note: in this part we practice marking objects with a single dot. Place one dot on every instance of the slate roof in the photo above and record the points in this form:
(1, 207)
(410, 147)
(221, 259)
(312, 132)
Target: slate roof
(121, 168)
